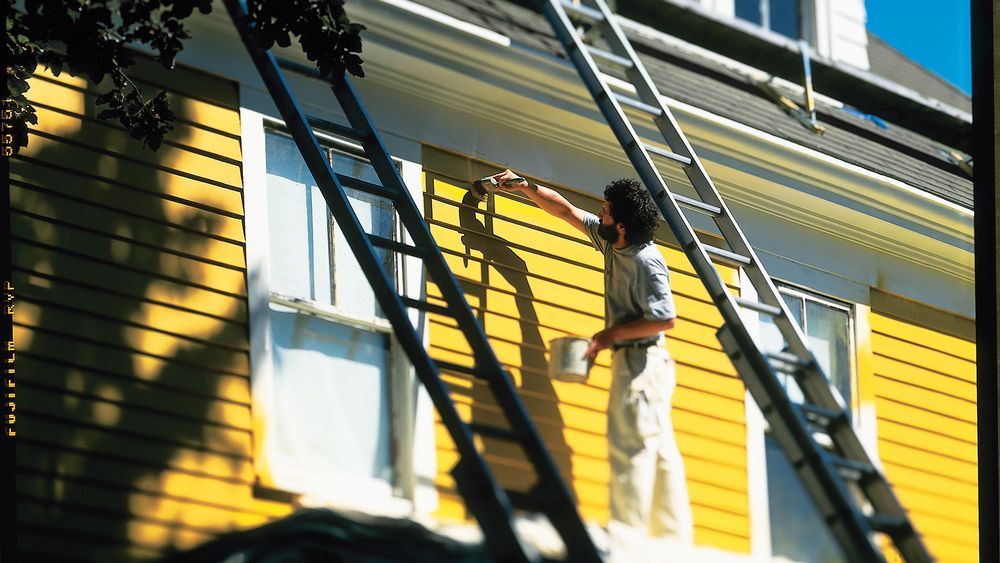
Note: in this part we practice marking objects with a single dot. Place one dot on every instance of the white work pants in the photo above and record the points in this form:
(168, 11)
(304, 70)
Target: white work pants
(648, 490)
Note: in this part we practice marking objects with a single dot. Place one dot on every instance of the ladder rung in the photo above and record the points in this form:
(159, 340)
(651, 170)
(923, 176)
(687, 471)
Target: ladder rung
(610, 57)
(425, 306)
(823, 416)
(396, 246)
(636, 104)
(698, 205)
(853, 469)
(524, 501)
(758, 306)
(457, 368)
(888, 524)
(367, 187)
(787, 358)
(336, 128)
(680, 159)
(722, 253)
(582, 11)
(494, 432)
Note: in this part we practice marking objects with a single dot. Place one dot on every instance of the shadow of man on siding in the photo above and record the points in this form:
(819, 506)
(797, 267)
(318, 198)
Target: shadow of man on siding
(536, 388)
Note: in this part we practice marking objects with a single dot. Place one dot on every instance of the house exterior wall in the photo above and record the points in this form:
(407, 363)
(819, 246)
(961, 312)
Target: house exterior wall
(131, 326)
(132, 319)
(925, 400)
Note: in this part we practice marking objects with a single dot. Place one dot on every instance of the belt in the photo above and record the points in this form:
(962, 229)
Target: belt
(638, 344)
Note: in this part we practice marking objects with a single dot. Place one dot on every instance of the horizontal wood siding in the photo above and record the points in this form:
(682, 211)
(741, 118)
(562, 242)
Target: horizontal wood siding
(925, 385)
(531, 278)
(131, 326)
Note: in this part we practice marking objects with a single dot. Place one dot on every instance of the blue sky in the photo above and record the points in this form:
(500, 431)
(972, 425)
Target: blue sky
(935, 33)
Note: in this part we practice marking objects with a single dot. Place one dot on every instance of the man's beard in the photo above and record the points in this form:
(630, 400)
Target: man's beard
(608, 232)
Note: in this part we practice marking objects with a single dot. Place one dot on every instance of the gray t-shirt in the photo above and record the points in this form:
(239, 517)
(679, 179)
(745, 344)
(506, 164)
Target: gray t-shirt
(636, 280)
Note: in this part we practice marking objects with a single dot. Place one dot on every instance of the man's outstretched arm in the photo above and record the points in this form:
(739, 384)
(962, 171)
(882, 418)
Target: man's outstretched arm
(546, 198)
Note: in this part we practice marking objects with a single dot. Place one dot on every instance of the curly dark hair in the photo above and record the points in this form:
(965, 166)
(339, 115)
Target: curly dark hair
(633, 207)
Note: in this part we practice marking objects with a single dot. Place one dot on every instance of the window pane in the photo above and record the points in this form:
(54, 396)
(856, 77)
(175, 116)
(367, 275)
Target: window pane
(354, 293)
(331, 398)
(830, 340)
(773, 341)
(298, 232)
(797, 531)
(784, 15)
(749, 10)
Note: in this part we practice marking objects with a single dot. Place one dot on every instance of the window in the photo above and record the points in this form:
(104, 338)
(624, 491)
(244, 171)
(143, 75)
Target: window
(797, 531)
(779, 16)
(329, 430)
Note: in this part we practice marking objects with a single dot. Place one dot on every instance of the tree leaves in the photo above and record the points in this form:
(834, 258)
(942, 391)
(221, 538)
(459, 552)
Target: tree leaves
(327, 36)
(89, 38)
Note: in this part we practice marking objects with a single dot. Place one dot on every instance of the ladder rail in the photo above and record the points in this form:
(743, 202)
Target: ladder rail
(484, 497)
(846, 520)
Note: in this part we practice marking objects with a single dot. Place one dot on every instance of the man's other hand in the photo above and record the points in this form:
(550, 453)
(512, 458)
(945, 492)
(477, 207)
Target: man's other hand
(598, 342)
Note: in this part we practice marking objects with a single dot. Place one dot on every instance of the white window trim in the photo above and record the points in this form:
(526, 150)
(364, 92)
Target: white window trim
(861, 421)
(414, 455)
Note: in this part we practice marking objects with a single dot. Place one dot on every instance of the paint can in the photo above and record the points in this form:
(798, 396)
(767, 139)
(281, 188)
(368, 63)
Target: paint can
(566, 361)
(483, 188)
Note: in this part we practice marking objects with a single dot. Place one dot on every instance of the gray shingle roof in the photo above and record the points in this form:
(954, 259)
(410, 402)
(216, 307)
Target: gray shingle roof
(896, 152)
(887, 62)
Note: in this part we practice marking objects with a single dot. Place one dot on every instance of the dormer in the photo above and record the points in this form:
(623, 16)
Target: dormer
(836, 29)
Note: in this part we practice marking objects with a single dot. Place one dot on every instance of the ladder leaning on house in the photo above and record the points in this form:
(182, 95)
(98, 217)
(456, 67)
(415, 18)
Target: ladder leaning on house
(836, 475)
(492, 506)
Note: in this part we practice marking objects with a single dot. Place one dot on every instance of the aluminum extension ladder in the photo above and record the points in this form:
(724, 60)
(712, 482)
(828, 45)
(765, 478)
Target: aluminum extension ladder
(492, 506)
(833, 474)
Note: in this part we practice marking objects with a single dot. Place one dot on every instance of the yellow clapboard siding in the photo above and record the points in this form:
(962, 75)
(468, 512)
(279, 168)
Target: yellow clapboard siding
(889, 409)
(135, 284)
(947, 551)
(143, 533)
(194, 189)
(180, 484)
(152, 261)
(131, 269)
(929, 358)
(54, 124)
(140, 421)
(925, 337)
(917, 479)
(63, 435)
(115, 224)
(185, 128)
(212, 107)
(109, 223)
(149, 205)
(886, 367)
(123, 363)
(149, 315)
(35, 541)
(933, 526)
(544, 281)
(925, 399)
(134, 338)
(723, 541)
(190, 513)
(924, 439)
(137, 393)
(933, 463)
(959, 512)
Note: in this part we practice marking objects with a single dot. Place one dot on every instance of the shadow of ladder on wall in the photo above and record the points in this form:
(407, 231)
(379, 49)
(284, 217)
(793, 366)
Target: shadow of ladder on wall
(491, 505)
(833, 474)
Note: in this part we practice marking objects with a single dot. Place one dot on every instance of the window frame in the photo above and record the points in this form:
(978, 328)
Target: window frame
(756, 424)
(412, 451)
